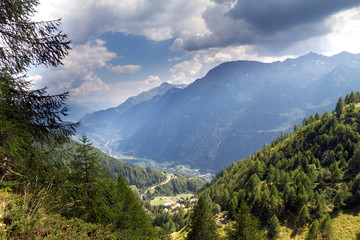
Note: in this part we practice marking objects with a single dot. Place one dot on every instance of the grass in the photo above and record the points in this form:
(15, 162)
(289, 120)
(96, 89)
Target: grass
(180, 235)
(288, 233)
(23, 217)
(347, 224)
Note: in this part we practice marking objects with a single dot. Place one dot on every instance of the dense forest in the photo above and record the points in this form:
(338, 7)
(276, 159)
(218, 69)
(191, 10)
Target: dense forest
(180, 184)
(302, 179)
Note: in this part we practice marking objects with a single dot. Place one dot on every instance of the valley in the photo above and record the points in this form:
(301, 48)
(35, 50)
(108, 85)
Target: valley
(166, 166)
(227, 115)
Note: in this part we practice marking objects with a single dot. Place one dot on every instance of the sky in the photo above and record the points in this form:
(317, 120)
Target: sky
(123, 47)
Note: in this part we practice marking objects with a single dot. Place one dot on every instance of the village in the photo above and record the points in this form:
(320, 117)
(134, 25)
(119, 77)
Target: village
(173, 204)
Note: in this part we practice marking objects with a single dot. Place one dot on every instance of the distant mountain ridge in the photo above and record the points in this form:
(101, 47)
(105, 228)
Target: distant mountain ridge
(100, 124)
(233, 110)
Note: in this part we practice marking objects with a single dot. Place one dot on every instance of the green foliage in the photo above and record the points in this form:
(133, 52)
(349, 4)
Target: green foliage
(246, 226)
(95, 197)
(85, 165)
(326, 227)
(202, 224)
(354, 163)
(166, 222)
(304, 216)
(134, 175)
(302, 175)
(31, 128)
(339, 106)
(24, 217)
(180, 184)
(274, 228)
(216, 209)
(25, 42)
(314, 230)
(28, 117)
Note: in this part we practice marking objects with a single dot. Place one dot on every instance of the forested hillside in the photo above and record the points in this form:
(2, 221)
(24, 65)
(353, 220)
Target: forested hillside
(180, 184)
(134, 175)
(303, 179)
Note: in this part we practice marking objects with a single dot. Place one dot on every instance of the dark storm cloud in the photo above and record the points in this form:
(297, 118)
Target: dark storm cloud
(271, 16)
(268, 24)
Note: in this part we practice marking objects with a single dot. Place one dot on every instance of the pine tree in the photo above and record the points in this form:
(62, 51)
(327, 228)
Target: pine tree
(304, 216)
(274, 227)
(246, 226)
(354, 164)
(28, 116)
(86, 164)
(326, 227)
(313, 230)
(202, 223)
(233, 206)
(24, 42)
(128, 214)
(339, 106)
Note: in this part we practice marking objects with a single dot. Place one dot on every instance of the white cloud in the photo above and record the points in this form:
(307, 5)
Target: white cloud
(219, 57)
(192, 67)
(123, 69)
(92, 86)
(343, 37)
(34, 79)
(89, 56)
(174, 59)
(157, 20)
(153, 80)
(77, 72)
(180, 78)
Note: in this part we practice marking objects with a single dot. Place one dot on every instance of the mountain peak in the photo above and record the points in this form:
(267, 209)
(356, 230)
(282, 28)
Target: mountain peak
(312, 56)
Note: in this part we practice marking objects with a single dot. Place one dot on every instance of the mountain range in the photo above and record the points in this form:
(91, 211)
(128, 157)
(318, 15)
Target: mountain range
(226, 115)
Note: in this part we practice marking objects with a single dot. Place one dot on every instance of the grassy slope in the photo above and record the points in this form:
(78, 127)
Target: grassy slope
(23, 217)
(345, 226)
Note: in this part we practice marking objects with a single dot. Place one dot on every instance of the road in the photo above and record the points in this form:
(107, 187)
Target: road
(168, 178)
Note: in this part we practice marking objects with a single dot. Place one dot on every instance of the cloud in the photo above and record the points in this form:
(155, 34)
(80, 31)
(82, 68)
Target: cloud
(123, 69)
(270, 26)
(91, 85)
(153, 80)
(273, 16)
(77, 72)
(280, 23)
(34, 79)
(80, 75)
(192, 67)
(89, 56)
(157, 20)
